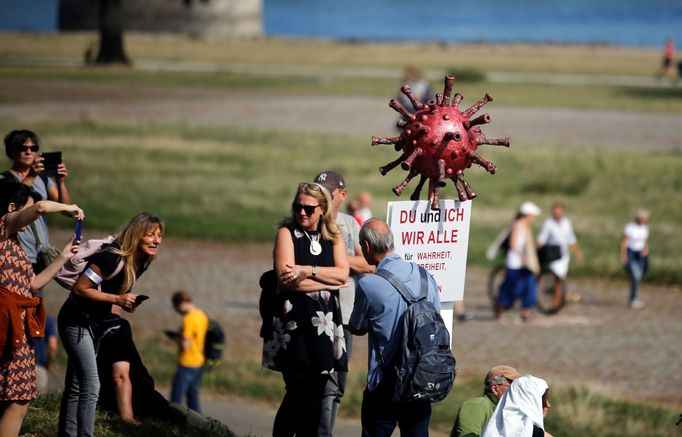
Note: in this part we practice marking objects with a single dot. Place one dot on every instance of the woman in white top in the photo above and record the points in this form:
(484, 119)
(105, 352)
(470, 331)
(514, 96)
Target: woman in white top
(521, 263)
(634, 253)
(521, 410)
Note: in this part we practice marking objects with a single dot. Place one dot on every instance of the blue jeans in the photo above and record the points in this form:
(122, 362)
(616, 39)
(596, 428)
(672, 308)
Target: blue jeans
(518, 284)
(380, 414)
(636, 266)
(81, 387)
(186, 383)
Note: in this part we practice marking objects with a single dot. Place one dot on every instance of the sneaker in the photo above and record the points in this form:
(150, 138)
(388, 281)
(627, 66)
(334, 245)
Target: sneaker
(636, 304)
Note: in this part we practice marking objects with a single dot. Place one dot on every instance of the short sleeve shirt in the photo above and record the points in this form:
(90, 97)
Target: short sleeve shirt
(379, 307)
(559, 233)
(350, 231)
(107, 262)
(636, 235)
(194, 326)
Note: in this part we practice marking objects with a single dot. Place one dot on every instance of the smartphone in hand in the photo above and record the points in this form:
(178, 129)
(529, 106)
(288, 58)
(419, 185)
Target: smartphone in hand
(51, 161)
(78, 230)
(140, 298)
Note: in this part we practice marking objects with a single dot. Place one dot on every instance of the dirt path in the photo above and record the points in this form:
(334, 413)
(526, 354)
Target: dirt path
(595, 342)
(27, 100)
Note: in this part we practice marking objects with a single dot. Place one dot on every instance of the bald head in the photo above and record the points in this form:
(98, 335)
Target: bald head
(376, 241)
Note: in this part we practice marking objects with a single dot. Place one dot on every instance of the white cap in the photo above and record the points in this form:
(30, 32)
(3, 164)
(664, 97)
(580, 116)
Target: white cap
(529, 208)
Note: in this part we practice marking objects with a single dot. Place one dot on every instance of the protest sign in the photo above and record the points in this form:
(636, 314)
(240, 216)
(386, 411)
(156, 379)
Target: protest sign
(435, 239)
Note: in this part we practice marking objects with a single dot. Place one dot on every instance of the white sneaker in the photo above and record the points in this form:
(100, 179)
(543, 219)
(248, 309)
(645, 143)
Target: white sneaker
(636, 304)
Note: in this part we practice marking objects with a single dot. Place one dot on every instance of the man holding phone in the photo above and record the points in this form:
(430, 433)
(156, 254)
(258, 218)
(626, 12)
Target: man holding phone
(28, 167)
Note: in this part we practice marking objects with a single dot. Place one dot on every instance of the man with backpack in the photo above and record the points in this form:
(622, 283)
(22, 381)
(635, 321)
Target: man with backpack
(380, 310)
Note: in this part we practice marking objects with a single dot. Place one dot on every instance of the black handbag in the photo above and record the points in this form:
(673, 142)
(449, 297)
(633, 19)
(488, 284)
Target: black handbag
(549, 253)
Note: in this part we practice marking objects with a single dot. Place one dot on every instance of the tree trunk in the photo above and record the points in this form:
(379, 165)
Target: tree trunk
(111, 46)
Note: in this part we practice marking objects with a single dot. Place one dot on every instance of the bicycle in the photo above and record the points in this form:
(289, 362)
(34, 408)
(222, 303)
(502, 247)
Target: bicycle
(545, 289)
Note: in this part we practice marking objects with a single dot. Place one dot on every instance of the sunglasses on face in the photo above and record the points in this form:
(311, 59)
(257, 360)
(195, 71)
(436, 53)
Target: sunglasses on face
(309, 209)
(27, 148)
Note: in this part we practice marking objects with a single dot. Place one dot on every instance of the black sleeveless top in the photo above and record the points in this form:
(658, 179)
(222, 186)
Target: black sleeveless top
(306, 338)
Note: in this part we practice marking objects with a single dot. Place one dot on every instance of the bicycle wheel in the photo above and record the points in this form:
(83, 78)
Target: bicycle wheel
(495, 279)
(545, 293)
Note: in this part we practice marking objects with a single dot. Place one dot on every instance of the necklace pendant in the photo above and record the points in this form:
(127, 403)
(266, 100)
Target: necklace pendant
(315, 247)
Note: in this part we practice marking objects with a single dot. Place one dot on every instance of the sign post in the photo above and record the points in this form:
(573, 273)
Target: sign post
(437, 240)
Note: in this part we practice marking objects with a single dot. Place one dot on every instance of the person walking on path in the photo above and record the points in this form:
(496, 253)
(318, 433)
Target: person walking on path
(475, 413)
(22, 311)
(190, 339)
(667, 68)
(350, 229)
(634, 253)
(377, 312)
(557, 231)
(521, 262)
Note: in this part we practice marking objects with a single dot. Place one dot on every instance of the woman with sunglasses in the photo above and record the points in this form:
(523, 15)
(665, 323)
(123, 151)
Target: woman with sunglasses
(21, 311)
(22, 146)
(306, 339)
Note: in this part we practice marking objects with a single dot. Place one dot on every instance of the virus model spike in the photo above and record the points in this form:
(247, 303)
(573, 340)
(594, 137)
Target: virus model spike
(400, 108)
(416, 103)
(447, 90)
(438, 142)
(456, 100)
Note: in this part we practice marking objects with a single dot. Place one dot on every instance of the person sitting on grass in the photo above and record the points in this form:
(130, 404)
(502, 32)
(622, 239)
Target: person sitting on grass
(126, 387)
(475, 413)
(521, 410)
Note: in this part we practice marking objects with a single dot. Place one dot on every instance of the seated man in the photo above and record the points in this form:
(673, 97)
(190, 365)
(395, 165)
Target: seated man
(475, 413)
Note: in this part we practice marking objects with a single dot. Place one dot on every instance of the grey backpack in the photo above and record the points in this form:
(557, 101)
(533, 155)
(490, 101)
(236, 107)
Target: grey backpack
(425, 367)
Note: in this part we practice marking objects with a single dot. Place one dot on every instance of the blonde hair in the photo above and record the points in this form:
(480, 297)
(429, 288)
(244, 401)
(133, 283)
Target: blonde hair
(642, 214)
(327, 227)
(129, 238)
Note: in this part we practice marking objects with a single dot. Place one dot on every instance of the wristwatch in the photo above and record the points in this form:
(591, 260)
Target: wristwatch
(314, 271)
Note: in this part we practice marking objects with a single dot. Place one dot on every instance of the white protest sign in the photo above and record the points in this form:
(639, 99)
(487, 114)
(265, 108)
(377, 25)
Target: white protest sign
(437, 240)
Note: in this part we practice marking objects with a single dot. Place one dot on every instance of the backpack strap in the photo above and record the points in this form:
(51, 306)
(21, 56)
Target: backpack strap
(8, 175)
(405, 292)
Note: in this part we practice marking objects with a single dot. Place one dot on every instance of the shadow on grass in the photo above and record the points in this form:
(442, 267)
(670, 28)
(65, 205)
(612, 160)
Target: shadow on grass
(672, 93)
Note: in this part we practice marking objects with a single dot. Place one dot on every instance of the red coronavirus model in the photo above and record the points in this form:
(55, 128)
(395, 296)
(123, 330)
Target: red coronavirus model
(438, 141)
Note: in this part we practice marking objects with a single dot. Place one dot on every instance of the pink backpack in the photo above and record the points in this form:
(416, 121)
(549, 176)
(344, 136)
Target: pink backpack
(72, 269)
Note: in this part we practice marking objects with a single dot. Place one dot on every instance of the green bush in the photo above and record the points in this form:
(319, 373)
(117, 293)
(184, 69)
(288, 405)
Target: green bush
(467, 74)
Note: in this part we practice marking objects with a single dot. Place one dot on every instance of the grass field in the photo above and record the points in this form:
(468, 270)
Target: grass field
(576, 410)
(230, 184)
(571, 59)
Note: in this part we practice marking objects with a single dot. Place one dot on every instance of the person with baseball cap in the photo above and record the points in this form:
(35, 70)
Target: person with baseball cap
(475, 413)
(349, 227)
(521, 263)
